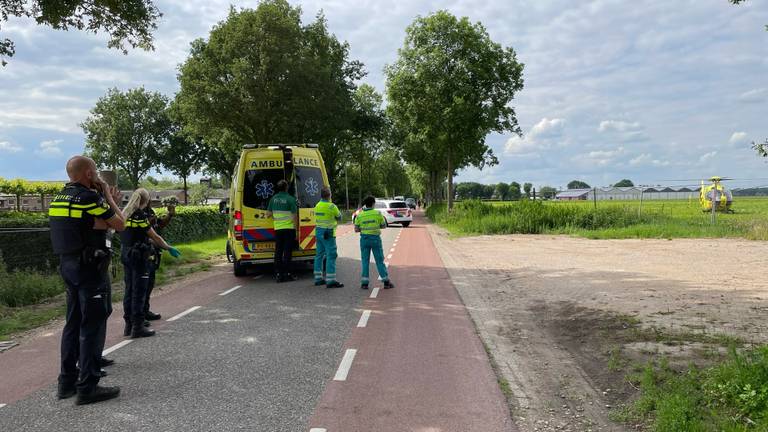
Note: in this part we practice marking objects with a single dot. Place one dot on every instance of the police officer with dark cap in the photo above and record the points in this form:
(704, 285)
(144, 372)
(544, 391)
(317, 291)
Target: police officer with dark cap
(79, 218)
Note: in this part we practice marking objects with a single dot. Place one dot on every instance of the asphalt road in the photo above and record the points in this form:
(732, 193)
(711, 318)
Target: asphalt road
(284, 357)
(255, 359)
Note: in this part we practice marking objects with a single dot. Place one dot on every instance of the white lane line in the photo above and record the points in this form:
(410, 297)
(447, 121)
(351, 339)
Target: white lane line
(364, 318)
(186, 312)
(116, 347)
(375, 293)
(345, 366)
(257, 277)
(231, 290)
(389, 257)
(318, 430)
(2, 405)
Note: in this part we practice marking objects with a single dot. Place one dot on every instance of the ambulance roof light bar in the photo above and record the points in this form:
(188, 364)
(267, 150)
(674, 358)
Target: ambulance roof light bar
(251, 146)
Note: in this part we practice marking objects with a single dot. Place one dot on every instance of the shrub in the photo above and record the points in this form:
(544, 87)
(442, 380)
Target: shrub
(20, 288)
(194, 223)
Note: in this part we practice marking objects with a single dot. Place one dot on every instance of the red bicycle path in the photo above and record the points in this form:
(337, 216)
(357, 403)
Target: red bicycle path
(419, 365)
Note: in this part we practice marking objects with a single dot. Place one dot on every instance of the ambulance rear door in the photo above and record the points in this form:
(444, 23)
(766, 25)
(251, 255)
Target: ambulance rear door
(310, 177)
(263, 168)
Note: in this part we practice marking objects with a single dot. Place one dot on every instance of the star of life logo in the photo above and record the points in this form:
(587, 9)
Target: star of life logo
(312, 187)
(265, 189)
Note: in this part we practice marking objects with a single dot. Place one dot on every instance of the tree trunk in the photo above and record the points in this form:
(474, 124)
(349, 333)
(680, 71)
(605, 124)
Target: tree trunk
(186, 195)
(42, 202)
(450, 181)
(18, 202)
(360, 184)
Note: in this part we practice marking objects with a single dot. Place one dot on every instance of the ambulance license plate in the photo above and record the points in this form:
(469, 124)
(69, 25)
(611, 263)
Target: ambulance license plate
(263, 246)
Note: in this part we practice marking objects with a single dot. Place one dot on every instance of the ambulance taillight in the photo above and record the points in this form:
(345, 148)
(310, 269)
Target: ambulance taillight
(238, 225)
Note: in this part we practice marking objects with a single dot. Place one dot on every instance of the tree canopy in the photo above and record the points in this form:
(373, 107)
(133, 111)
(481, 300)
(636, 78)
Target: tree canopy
(264, 77)
(449, 88)
(127, 22)
(624, 183)
(127, 130)
(578, 184)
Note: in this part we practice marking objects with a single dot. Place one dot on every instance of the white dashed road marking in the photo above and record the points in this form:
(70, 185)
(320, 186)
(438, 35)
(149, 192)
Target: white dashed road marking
(186, 312)
(116, 347)
(389, 257)
(258, 277)
(318, 430)
(2, 405)
(345, 366)
(375, 293)
(231, 290)
(364, 318)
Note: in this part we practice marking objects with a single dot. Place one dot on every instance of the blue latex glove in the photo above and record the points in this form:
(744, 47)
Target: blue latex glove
(174, 252)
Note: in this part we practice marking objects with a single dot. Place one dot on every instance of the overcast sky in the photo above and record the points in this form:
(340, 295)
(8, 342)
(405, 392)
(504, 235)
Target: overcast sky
(646, 89)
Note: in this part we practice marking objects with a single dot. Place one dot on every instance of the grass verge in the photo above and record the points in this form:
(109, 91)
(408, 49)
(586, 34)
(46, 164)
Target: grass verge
(730, 396)
(29, 300)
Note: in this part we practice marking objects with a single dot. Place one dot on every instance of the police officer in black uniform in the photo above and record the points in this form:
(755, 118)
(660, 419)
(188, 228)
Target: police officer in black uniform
(157, 224)
(136, 257)
(79, 218)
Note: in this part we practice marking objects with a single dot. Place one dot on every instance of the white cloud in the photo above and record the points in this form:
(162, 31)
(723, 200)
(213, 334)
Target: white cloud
(754, 96)
(706, 157)
(624, 131)
(646, 159)
(543, 135)
(739, 139)
(49, 148)
(9, 147)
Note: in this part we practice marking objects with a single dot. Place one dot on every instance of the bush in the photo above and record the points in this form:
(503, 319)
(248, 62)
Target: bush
(194, 223)
(21, 288)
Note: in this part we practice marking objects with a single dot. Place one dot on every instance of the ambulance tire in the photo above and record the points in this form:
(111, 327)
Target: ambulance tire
(239, 269)
(405, 224)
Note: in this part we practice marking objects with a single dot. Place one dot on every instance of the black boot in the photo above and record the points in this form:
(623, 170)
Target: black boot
(106, 362)
(151, 316)
(138, 330)
(97, 394)
(66, 390)
(128, 327)
(388, 285)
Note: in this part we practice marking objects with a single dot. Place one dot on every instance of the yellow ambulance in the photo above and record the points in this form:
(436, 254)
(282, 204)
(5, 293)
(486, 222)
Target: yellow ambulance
(251, 235)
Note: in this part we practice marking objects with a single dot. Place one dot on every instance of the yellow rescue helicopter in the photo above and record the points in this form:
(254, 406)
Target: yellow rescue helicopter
(715, 197)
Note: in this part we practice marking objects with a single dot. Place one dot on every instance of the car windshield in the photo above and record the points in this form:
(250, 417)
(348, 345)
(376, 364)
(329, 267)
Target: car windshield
(309, 181)
(398, 204)
(259, 186)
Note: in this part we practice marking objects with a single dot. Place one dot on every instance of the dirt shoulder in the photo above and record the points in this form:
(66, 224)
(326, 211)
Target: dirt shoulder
(565, 318)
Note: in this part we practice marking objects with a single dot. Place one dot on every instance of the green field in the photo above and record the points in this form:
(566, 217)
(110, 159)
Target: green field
(610, 219)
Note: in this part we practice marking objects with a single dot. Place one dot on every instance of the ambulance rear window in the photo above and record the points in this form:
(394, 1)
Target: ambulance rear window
(309, 181)
(259, 186)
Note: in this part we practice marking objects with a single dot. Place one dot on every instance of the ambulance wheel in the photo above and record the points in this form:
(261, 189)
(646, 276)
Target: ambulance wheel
(239, 269)
(405, 224)
(230, 255)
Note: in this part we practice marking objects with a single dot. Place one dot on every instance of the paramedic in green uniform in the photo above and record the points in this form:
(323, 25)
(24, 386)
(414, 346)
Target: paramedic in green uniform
(369, 224)
(327, 216)
(284, 212)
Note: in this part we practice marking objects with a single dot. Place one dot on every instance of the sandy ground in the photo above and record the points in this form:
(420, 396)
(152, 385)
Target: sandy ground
(553, 310)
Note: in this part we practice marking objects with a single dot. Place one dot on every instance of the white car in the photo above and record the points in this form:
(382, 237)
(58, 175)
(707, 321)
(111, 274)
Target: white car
(395, 211)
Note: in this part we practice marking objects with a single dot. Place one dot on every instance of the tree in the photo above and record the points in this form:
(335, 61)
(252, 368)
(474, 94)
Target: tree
(449, 88)
(182, 155)
(127, 131)
(280, 81)
(45, 189)
(624, 183)
(578, 184)
(514, 191)
(127, 22)
(502, 191)
(548, 192)
(200, 194)
(368, 130)
(527, 189)
(18, 188)
(393, 175)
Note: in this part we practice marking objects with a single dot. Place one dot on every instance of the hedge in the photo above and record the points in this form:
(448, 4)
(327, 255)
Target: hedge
(25, 242)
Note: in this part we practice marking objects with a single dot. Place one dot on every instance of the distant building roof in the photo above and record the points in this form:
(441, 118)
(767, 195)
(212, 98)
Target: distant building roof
(572, 193)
